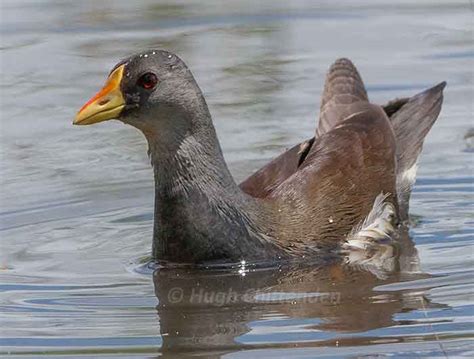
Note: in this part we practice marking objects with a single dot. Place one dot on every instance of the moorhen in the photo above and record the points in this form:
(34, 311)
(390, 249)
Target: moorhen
(346, 187)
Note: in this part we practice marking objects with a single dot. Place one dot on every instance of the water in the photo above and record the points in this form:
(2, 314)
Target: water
(76, 203)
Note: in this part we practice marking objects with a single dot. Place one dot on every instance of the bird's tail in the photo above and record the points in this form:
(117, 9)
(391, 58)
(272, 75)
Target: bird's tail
(411, 122)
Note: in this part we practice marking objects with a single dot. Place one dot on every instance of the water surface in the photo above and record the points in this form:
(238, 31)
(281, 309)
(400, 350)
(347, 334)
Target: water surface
(77, 203)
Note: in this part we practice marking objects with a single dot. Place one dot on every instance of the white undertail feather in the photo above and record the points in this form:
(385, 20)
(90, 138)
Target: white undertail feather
(370, 245)
(377, 226)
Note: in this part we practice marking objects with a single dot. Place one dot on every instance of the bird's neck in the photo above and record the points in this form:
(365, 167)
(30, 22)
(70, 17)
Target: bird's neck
(200, 212)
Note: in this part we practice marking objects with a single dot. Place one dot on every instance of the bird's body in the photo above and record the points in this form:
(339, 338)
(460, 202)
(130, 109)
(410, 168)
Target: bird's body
(349, 180)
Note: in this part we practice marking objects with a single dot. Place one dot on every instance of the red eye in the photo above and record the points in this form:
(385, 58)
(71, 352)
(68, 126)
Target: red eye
(148, 81)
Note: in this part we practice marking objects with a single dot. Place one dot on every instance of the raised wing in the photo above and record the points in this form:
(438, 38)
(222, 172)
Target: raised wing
(335, 187)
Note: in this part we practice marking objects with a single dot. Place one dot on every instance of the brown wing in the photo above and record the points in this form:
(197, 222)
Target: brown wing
(262, 183)
(335, 187)
(343, 95)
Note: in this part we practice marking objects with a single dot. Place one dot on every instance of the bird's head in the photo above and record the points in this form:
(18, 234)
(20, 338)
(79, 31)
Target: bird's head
(153, 91)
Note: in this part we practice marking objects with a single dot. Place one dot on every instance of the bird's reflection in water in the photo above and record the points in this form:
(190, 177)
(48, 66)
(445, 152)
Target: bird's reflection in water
(210, 309)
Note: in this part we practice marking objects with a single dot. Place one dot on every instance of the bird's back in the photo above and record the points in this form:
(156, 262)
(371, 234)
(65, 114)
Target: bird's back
(359, 163)
(337, 184)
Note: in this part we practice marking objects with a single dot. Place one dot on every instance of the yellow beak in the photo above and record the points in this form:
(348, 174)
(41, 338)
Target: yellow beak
(107, 104)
